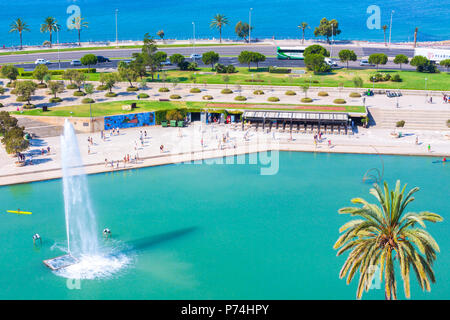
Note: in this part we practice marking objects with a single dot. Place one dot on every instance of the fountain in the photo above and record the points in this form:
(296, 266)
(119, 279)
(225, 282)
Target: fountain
(85, 257)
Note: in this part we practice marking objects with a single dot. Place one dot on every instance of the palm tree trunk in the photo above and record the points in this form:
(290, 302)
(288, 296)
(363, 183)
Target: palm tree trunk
(220, 34)
(385, 44)
(79, 37)
(20, 35)
(50, 38)
(303, 36)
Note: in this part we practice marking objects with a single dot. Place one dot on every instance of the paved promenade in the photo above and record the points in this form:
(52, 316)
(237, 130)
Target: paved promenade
(181, 145)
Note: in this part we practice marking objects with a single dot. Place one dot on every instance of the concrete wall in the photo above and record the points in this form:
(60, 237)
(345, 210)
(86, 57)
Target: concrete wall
(80, 124)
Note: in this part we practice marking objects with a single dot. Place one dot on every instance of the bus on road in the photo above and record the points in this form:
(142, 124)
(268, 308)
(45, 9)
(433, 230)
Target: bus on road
(287, 53)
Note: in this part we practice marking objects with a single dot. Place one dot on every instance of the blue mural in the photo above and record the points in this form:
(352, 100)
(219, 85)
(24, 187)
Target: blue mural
(130, 120)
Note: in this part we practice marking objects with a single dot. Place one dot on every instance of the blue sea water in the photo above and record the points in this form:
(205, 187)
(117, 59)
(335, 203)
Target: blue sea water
(270, 18)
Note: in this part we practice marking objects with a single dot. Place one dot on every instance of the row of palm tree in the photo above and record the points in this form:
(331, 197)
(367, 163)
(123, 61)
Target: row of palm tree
(50, 25)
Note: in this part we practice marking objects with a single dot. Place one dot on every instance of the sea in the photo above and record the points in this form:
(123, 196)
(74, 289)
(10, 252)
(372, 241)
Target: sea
(279, 19)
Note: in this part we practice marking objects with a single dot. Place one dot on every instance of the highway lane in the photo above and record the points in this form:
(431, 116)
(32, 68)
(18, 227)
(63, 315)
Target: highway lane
(108, 66)
(267, 50)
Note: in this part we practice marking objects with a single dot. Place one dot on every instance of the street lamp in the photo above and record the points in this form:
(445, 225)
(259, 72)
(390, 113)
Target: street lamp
(250, 26)
(193, 39)
(390, 28)
(426, 93)
(117, 37)
(57, 40)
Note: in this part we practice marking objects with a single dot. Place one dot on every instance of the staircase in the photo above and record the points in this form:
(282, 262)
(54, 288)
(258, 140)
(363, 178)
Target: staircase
(414, 119)
(40, 129)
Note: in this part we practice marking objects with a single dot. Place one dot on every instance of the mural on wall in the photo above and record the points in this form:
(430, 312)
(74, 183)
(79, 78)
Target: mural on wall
(130, 120)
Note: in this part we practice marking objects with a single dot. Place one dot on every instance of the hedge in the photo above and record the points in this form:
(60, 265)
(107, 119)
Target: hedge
(87, 100)
(21, 99)
(240, 98)
(163, 89)
(279, 70)
(195, 90)
(55, 100)
(323, 94)
(307, 100)
(354, 95)
(207, 97)
(175, 96)
(72, 86)
(290, 93)
(79, 94)
(132, 89)
(258, 92)
(226, 91)
(143, 95)
(23, 73)
(29, 106)
(273, 99)
(102, 87)
(111, 94)
(339, 101)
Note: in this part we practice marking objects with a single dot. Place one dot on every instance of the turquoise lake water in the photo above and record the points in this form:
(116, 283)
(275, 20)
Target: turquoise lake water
(269, 18)
(217, 231)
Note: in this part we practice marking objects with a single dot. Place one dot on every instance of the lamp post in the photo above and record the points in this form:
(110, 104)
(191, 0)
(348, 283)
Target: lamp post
(426, 93)
(117, 35)
(57, 40)
(193, 38)
(250, 26)
(390, 28)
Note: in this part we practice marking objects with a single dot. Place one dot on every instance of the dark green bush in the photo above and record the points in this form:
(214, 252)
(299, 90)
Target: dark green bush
(132, 89)
(273, 99)
(87, 100)
(163, 89)
(102, 87)
(279, 70)
(207, 97)
(240, 98)
(339, 101)
(354, 95)
(111, 94)
(195, 90)
(307, 100)
(323, 94)
(72, 86)
(143, 95)
(290, 93)
(79, 94)
(175, 96)
(258, 92)
(226, 91)
(55, 100)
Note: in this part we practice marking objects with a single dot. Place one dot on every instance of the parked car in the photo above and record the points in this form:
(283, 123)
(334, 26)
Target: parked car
(330, 62)
(196, 56)
(101, 59)
(75, 63)
(166, 63)
(366, 63)
(41, 61)
(128, 61)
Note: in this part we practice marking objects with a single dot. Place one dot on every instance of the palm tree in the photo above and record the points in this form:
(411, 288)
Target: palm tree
(303, 26)
(218, 21)
(78, 24)
(384, 30)
(381, 233)
(19, 26)
(50, 24)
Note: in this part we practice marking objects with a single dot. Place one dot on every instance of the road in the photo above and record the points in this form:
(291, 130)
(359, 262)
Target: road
(106, 66)
(267, 50)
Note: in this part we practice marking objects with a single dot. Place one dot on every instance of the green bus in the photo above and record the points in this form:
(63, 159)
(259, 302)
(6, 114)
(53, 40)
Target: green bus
(288, 53)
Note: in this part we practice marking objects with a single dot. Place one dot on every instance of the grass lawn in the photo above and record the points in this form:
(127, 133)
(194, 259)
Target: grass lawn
(115, 107)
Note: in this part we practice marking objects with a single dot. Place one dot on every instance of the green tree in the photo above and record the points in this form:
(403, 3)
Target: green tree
(26, 89)
(358, 82)
(79, 79)
(78, 24)
(316, 49)
(160, 57)
(148, 55)
(378, 58)
(257, 57)
(19, 26)
(50, 24)
(305, 89)
(327, 28)
(110, 80)
(89, 60)
(347, 55)
(70, 74)
(218, 22)
(211, 58)
(242, 30)
(401, 59)
(445, 63)
(160, 34)
(226, 79)
(55, 87)
(10, 72)
(316, 63)
(303, 26)
(177, 59)
(127, 73)
(384, 234)
(39, 72)
(245, 57)
(422, 64)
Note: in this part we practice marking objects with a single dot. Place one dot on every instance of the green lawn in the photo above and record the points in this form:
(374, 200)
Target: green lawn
(110, 108)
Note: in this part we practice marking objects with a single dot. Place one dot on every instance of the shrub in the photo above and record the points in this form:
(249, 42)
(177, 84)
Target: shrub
(163, 89)
(195, 90)
(354, 95)
(111, 94)
(279, 70)
(400, 124)
(231, 69)
(175, 96)
(72, 86)
(448, 123)
(143, 95)
(102, 87)
(240, 98)
(258, 92)
(132, 89)
(220, 68)
(315, 81)
(322, 94)
(55, 100)
(339, 101)
(41, 86)
(290, 93)
(21, 99)
(307, 100)
(396, 78)
(79, 94)
(29, 106)
(1, 105)
(226, 91)
(13, 91)
(379, 77)
(207, 97)
(87, 100)
(273, 99)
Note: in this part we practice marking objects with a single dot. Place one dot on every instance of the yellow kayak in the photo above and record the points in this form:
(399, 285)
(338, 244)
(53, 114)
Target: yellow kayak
(18, 212)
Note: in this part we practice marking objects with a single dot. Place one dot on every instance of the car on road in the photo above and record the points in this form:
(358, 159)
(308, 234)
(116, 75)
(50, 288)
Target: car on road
(128, 61)
(101, 59)
(331, 62)
(41, 61)
(75, 62)
(365, 63)
(166, 63)
(196, 56)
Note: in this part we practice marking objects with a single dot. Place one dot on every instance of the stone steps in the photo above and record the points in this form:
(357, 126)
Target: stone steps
(414, 119)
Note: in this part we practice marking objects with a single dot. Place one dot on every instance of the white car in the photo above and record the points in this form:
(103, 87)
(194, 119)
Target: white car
(330, 62)
(41, 61)
(196, 56)
(366, 63)
(75, 63)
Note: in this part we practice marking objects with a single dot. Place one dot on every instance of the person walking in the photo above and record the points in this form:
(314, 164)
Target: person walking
(429, 148)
